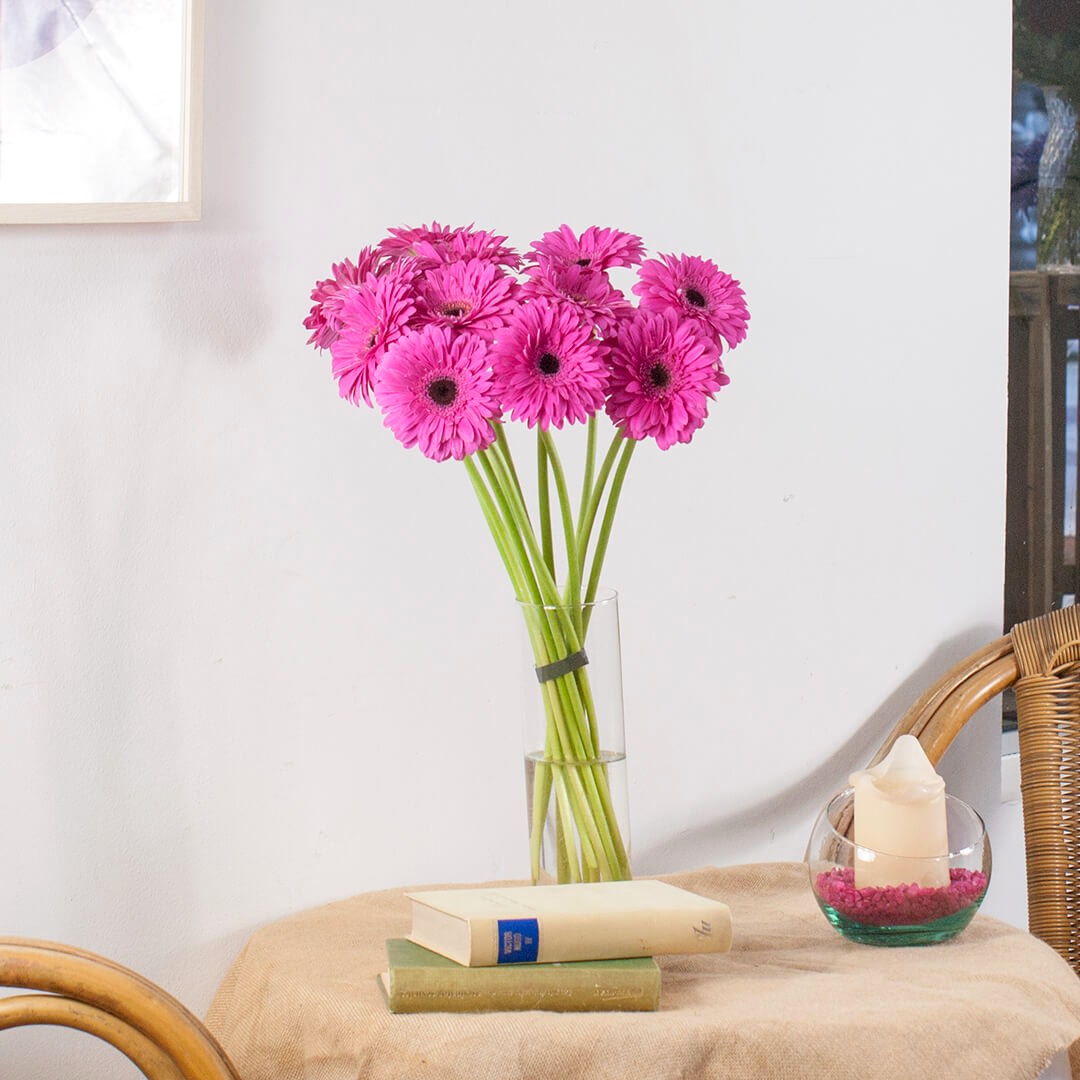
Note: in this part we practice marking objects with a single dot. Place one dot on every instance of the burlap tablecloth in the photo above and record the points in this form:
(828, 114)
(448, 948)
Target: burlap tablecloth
(792, 999)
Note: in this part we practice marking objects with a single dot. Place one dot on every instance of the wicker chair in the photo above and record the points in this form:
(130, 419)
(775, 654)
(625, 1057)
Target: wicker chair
(95, 995)
(1041, 659)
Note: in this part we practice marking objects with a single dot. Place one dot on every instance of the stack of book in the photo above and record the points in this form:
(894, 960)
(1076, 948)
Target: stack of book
(565, 948)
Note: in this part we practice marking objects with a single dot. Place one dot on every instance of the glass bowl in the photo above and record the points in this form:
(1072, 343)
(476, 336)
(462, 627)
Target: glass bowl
(905, 913)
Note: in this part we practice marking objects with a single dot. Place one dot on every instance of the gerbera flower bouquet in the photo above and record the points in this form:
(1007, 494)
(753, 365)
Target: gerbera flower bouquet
(452, 335)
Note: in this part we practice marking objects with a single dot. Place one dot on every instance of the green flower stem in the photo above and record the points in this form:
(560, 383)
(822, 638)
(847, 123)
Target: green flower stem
(599, 830)
(541, 799)
(614, 847)
(585, 691)
(566, 854)
(502, 443)
(600, 825)
(546, 631)
(542, 778)
(574, 725)
(543, 498)
(496, 528)
(586, 804)
(609, 518)
(542, 769)
(501, 452)
(568, 753)
(571, 782)
(557, 637)
(589, 511)
(504, 479)
(597, 824)
(567, 782)
(548, 590)
(572, 596)
(564, 750)
(529, 591)
(587, 472)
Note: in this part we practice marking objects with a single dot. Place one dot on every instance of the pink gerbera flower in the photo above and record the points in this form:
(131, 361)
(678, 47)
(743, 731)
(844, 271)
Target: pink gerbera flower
(697, 290)
(599, 302)
(372, 318)
(596, 248)
(435, 392)
(472, 295)
(663, 373)
(467, 244)
(402, 242)
(548, 367)
(434, 244)
(323, 318)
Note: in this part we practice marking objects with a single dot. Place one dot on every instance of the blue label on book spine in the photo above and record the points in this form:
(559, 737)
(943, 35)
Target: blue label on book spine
(519, 941)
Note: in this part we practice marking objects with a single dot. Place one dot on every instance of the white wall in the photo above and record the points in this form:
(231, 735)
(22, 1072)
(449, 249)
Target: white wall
(252, 653)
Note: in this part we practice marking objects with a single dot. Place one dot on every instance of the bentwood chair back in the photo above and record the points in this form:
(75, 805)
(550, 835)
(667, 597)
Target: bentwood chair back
(93, 994)
(1040, 658)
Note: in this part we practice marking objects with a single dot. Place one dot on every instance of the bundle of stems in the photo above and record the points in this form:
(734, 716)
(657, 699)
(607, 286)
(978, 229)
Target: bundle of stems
(571, 773)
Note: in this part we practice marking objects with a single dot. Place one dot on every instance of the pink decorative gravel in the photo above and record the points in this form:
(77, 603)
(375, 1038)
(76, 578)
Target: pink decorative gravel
(898, 905)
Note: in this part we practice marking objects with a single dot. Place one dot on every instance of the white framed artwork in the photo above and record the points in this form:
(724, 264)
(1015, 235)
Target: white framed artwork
(100, 110)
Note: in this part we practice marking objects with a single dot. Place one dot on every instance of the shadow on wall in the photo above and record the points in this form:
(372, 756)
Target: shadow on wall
(200, 968)
(209, 299)
(788, 815)
(112, 751)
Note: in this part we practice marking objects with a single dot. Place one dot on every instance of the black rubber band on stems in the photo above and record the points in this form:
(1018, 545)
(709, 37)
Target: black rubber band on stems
(561, 667)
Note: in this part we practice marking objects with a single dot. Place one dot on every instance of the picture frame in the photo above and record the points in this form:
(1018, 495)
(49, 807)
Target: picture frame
(169, 167)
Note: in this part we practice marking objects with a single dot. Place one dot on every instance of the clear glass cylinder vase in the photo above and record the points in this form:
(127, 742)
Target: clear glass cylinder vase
(575, 742)
(1057, 244)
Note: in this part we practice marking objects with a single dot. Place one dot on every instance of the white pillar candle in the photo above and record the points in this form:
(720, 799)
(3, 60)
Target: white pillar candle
(900, 812)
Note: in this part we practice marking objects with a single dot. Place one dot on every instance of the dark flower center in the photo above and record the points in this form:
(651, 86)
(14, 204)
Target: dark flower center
(454, 309)
(584, 261)
(372, 338)
(548, 364)
(694, 297)
(442, 391)
(659, 376)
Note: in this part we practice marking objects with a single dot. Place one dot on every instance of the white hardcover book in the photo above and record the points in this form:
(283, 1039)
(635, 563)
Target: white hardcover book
(521, 924)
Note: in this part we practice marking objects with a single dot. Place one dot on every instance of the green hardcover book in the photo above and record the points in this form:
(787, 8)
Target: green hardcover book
(418, 980)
